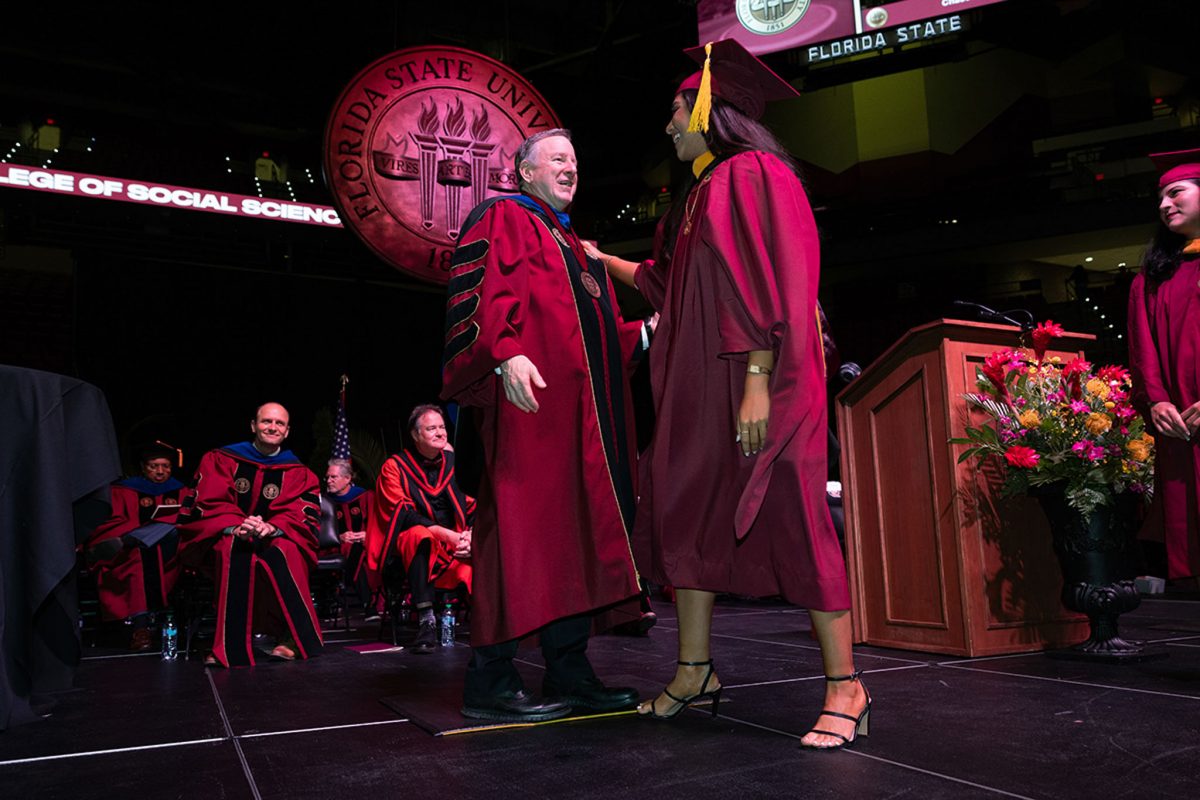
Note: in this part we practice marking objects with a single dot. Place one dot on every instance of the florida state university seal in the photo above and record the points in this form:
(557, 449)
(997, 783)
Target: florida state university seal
(418, 139)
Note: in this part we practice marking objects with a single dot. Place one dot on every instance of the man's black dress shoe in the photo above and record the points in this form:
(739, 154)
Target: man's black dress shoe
(592, 695)
(426, 640)
(518, 706)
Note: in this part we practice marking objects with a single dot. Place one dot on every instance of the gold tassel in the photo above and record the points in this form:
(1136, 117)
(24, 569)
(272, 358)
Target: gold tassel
(699, 120)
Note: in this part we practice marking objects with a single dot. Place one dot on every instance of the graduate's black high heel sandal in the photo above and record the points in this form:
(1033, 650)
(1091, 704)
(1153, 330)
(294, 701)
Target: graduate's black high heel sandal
(684, 702)
(861, 722)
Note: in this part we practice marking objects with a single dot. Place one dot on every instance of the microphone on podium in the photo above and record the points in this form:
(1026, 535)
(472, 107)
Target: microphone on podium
(849, 371)
(985, 314)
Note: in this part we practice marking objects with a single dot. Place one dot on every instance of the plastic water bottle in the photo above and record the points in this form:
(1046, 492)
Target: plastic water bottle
(170, 639)
(447, 627)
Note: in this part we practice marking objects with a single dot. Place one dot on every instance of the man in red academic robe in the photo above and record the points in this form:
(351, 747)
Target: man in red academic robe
(133, 553)
(535, 340)
(351, 510)
(422, 522)
(252, 527)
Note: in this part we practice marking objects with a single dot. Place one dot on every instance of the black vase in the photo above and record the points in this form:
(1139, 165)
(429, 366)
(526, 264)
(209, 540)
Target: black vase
(1098, 563)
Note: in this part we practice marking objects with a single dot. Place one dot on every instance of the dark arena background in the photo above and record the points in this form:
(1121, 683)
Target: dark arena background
(1000, 161)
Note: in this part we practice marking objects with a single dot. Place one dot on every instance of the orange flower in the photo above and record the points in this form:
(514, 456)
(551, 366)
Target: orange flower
(1029, 419)
(1099, 388)
(1138, 450)
(1097, 423)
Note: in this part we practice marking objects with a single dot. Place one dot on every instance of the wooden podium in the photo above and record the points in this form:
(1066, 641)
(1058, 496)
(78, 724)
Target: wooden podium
(937, 562)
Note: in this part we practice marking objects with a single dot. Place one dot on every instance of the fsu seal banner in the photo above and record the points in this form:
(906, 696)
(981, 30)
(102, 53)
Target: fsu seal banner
(418, 139)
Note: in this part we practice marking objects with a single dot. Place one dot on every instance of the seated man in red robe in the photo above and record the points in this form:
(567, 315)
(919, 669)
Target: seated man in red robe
(421, 521)
(352, 509)
(132, 554)
(252, 527)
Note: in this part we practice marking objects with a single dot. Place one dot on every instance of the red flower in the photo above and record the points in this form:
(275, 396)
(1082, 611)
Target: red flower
(1113, 374)
(1043, 334)
(1073, 372)
(1020, 456)
(995, 368)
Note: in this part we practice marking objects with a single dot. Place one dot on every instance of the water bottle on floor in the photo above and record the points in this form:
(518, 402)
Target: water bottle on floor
(447, 626)
(170, 639)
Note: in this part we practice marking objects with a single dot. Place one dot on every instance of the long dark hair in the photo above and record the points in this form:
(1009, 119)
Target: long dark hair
(729, 132)
(1164, 252)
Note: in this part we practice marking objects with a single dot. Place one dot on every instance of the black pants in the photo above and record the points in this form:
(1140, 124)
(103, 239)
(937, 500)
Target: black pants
(418, 577)
(564, 647)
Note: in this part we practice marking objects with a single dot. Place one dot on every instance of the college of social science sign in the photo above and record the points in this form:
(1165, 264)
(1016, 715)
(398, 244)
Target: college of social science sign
(826, 29)
(417, 140)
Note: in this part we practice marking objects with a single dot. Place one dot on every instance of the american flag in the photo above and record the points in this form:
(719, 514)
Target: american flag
(341, 432)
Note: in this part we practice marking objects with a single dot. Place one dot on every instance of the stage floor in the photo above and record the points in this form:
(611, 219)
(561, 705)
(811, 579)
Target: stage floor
(1023, 726)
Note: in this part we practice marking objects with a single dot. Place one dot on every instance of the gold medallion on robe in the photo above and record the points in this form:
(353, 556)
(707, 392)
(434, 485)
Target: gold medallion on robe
(241, 485)
(590, 284)
(270, 491)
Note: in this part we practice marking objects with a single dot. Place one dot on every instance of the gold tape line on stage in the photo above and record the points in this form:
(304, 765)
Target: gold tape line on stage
(508, 725)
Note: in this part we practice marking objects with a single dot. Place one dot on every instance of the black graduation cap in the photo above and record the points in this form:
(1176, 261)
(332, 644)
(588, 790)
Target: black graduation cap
(735, 75)
(1177, 165)
(159, 449)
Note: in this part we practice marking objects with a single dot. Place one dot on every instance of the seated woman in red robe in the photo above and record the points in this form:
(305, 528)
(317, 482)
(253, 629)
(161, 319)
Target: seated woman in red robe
(422, 519)
(732, 487)
(1164, 354)
(133, 553)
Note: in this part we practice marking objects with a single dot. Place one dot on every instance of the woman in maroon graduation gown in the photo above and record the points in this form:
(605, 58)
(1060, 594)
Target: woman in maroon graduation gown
(733, 483)
(1164, 352)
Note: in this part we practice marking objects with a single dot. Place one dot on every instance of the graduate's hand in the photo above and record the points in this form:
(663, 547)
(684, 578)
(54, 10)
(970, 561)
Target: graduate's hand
(754, 414)
(652, 323)
(592, 251)
(520, 376)
(1169, 422)
(1191, 418)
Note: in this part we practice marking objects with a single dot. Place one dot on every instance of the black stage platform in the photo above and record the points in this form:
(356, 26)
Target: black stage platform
(1013, 726)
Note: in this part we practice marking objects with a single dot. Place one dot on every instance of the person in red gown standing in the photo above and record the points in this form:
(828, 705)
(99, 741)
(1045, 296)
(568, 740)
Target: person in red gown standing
(535, 341)
(1164, 355)
(733, 481)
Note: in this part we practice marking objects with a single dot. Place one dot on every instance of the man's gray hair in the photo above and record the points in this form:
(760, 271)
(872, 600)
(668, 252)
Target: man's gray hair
(526, 149)
(344, 465)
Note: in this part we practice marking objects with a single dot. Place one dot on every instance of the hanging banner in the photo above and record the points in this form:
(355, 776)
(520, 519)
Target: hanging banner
(417, 140)
(80, 184)
(904, 12)
(766, 26)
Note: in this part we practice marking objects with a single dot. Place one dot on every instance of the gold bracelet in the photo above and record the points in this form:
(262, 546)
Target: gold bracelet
(755, 369)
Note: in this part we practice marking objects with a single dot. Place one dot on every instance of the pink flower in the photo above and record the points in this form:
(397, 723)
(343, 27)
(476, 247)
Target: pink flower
(1125, 413)
(1079, 407)
(1088, 450)
(1020, 456)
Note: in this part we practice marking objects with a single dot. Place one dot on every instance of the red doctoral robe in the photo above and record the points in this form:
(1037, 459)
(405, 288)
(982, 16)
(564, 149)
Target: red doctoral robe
(137, 579)
(404, 496)
(262, 585)
(351, 512)
(743, 277)
(557, 498)
(1164, 356)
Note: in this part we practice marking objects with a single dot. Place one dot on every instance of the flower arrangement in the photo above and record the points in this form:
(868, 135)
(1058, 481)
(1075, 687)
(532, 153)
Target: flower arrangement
(1052, 422)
